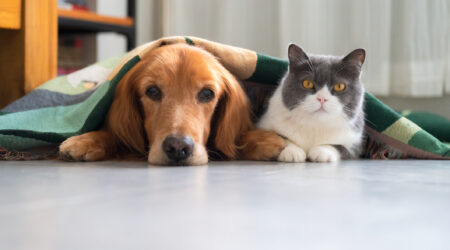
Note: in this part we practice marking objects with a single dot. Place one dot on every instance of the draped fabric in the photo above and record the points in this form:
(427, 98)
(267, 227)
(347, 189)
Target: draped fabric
(33, 126)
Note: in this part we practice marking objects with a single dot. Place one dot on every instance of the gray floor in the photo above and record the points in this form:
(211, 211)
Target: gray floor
(227, 205)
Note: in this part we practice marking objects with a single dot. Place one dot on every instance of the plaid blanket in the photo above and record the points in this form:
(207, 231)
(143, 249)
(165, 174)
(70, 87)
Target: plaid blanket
(33, 126)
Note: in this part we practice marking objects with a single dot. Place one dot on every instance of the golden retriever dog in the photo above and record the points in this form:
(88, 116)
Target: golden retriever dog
(174, 107)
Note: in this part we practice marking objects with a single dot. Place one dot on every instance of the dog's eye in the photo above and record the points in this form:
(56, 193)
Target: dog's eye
(154, 93)
(205, 95)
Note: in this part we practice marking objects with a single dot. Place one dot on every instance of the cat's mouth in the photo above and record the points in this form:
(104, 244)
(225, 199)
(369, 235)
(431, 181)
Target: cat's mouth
(321, 110)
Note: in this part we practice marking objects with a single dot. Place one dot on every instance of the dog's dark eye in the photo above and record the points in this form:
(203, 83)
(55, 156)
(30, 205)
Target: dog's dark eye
(154, 93)
(205, 95)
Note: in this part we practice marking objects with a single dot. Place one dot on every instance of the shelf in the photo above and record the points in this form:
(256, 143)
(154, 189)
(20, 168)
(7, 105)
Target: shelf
(85, 21)
(93, 17)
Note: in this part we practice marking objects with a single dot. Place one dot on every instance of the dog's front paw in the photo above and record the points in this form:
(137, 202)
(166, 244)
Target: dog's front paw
(292, 153)
(81, 148)
(261, 145)
(323, 153)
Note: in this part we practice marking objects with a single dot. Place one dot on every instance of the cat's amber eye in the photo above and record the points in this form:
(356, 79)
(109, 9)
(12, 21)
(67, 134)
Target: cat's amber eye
(339, 87)
(308, 84)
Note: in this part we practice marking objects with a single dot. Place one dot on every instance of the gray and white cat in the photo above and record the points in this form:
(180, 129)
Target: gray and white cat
(318, 107)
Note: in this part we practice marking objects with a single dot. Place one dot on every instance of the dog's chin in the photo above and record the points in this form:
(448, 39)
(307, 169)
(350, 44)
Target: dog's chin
(191, 161)
(198, 158)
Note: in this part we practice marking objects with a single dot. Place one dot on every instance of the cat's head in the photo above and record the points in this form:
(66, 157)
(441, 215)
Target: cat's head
(323, 86)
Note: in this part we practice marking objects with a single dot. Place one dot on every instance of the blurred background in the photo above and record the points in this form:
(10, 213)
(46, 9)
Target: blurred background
(407, 41)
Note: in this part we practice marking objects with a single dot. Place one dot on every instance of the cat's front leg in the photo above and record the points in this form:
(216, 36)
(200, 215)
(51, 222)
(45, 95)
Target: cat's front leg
(292, 153)
(324, 153)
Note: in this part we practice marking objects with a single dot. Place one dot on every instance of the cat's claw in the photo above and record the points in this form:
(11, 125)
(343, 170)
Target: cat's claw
(323, 153)
(292, 153)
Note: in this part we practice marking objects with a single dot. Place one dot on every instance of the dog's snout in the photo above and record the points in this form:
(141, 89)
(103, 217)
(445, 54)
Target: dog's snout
(178, 148)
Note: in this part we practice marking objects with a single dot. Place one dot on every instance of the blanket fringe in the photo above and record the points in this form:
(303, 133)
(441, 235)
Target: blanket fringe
(6, 155)
(378, 150)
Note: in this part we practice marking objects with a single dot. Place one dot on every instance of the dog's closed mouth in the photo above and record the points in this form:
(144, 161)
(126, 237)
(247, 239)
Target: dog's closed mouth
(183, 163)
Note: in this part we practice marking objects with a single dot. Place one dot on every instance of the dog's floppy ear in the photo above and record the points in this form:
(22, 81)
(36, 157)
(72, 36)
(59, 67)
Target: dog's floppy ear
(233, 116)
(124, 118)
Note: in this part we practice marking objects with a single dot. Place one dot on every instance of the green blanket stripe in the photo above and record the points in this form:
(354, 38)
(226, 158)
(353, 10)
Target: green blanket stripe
(189, 41)
(58, 119)
(436, 125)
(96, 117)
(378, 115)
(22, 143)
(269, 69)
(67, 120)
(47, 137)
(425, 141)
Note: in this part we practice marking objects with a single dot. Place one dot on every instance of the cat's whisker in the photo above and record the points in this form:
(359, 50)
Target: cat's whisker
(368, 121)
(309, 123)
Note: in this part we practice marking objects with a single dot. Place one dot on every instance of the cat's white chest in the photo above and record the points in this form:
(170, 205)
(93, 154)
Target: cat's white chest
(304, 129)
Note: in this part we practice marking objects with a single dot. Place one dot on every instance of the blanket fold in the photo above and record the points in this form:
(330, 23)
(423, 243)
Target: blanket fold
(78, 103)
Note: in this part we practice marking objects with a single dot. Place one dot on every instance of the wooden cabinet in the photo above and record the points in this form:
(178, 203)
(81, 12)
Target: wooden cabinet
(10, 14)
(28, 46)
(29, 41)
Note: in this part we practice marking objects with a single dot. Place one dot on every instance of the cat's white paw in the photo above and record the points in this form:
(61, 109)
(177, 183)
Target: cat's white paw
(323, 153)
(292, 153)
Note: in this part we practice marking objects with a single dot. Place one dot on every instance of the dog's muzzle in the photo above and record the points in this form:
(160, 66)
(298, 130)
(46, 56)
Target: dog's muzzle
(178, 148)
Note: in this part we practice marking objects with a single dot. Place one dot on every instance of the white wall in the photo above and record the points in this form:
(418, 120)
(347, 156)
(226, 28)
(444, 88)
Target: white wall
(111, 44)
(251, 24)
(437, 105)
(145, 19)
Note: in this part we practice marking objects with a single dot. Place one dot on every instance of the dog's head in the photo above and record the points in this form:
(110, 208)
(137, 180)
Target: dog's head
(175, 100)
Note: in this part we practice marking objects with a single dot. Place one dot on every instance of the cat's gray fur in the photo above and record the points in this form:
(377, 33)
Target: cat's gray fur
(323, 71)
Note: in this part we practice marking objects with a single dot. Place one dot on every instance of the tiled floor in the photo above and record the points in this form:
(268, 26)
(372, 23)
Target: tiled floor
(227, 205)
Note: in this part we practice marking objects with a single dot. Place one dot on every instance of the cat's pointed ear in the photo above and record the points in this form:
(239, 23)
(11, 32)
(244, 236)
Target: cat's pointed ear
(357, 56)
(296, 55)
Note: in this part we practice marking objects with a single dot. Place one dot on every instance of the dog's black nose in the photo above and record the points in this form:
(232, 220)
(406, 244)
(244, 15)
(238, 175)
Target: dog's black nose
(178, 148)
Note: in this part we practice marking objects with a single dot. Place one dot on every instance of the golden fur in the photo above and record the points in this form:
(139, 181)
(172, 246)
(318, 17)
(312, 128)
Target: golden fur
(138, 124)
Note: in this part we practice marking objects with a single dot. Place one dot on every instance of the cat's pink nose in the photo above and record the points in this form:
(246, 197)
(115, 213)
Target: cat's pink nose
(322, 100)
